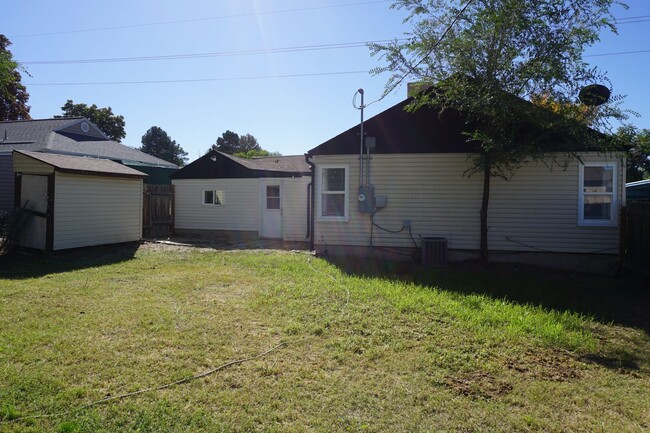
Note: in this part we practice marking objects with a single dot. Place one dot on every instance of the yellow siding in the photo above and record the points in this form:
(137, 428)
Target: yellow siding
(25, 164)
(241, 210)
(294, 209)
(537, 210)
(92, 210)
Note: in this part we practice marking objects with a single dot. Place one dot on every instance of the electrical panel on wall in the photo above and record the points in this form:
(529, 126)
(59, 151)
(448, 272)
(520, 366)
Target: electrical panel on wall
(366, 199)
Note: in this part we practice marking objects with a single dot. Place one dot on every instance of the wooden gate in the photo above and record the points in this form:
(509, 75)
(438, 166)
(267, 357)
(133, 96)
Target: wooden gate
(637, 236)
(157, 211)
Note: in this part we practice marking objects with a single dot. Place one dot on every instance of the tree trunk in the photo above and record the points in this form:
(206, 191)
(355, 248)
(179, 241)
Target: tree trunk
(484, 211)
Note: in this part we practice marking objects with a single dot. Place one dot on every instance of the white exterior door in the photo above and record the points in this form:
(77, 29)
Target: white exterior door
(271, 206)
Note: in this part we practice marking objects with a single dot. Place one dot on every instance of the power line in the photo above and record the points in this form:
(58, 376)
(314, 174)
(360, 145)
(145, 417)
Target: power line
(194, 20)
(635, 19)
(427, 54)
(199, 80)
(620, 53)
(206, 55)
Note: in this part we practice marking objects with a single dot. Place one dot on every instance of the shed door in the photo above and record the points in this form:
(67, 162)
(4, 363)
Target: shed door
(33, 197)
(271, 215)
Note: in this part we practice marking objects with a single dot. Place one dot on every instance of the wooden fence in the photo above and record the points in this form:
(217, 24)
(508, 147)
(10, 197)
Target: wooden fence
(637, 236)
(157, 211)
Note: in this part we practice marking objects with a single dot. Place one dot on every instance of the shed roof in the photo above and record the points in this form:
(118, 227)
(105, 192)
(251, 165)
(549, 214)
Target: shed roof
(219, 165)
(64, 136)
(83, 165)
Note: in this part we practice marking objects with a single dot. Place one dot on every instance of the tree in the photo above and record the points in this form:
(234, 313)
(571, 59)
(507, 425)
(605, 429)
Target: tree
(486, 57)
(637, 143)
(13, 94)
(110, 124)
(231, 143)
(158, 143)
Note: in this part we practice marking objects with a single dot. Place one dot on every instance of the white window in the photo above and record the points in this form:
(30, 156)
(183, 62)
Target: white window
(333, 192)
(273, 197)
(213, 197)
(597, 198)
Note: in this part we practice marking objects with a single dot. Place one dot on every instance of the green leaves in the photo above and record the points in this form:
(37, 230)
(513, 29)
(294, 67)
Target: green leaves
(13, 94)
(158, 143)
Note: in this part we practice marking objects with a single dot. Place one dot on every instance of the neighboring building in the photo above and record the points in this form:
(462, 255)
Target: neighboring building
(414, 186)
(220, 194)
(76, 201)
(638, 190)
(66, 136)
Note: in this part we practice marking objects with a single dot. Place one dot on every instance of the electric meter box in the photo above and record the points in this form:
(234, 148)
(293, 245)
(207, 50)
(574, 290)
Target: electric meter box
(366, 199)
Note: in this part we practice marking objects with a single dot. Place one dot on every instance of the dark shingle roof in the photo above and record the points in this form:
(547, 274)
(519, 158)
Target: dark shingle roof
(428, 130)
(83, 165)
(50, 135)
(399, 131)
(219, 165)
(292, 163)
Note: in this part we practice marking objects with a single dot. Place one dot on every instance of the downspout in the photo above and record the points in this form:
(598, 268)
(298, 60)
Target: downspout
(311, 201)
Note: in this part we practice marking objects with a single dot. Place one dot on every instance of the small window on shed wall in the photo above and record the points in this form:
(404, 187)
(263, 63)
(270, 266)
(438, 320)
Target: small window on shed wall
(213, 197)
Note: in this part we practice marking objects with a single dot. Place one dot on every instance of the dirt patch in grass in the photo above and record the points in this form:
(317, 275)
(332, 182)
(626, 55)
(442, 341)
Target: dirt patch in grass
(554, 365)
(478, 385)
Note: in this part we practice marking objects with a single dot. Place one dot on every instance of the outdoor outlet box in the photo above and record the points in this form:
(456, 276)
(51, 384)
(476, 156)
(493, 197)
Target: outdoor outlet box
(366, 199)
(380, 201)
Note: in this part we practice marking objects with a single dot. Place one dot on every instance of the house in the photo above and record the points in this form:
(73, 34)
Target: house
(410, 186)
(76, 201)
(638, 190)
(66, 136)
(221, 194)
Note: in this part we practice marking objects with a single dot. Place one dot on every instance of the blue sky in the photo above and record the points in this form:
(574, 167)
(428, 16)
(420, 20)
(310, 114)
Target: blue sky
(290, 101)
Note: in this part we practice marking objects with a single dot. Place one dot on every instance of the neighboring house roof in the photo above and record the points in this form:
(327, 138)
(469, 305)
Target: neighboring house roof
(428, 130)
(219, 165)
(83, 165)
(639, 189)
(70, 136)
(637, 184)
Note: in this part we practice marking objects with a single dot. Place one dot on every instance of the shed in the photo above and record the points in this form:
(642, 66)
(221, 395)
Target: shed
(76, 201)
(224, 195)
(76, 136)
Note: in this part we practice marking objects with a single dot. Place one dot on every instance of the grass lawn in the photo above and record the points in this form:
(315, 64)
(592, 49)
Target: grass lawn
(368, 347)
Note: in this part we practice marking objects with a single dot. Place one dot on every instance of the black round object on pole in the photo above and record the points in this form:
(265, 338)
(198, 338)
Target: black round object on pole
(594, 95)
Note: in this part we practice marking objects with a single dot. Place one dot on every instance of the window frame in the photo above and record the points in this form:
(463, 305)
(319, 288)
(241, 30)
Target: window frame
(216, 195)
(273, 197)
(613, 216)
(346, 193)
